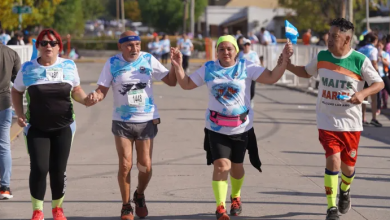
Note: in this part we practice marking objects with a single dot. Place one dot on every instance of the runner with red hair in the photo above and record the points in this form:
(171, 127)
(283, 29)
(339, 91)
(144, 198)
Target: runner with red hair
(49, 125)
(50, 33)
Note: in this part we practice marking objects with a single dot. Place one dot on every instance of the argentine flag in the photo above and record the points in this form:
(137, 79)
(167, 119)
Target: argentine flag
(291, 32)
(34, 54)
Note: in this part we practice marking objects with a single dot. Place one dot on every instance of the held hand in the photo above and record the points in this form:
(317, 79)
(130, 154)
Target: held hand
(280, 60)
(357, 98)
(22, 122)
(176, 57)
(92, 99)
(287, 51)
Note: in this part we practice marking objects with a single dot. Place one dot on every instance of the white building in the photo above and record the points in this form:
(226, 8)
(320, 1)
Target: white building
(246, 16)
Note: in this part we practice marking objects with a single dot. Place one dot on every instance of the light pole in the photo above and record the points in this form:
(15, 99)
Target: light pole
(192, 17)
(117, 11)
(367, 14)
(350, 10)
(185, 16)
(123, 15)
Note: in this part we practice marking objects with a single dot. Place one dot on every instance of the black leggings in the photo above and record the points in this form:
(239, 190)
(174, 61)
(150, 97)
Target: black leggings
(386, 80)
(185, 62)
(49, 152)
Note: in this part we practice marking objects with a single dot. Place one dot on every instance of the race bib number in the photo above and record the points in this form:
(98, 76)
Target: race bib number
(55, 74)
(137, 97)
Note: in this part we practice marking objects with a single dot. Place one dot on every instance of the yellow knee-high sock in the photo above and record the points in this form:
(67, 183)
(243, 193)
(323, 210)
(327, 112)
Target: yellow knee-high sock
(36, 204)
(236, 186)
(57, 203)
(346, 181)
(220, 191)
(331, 186)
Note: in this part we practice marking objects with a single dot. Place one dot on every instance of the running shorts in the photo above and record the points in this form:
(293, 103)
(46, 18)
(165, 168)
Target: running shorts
(135, 131)
(344, 142)
(231, 147)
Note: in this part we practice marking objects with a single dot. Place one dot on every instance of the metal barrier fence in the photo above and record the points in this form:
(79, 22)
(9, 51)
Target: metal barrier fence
(302, 56)
(24, 52)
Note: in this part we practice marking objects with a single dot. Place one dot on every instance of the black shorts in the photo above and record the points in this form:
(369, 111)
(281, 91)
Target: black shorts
(365, 85)
(232, 147)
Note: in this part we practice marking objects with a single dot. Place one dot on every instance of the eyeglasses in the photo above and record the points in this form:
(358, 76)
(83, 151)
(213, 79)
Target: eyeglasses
(44, 43)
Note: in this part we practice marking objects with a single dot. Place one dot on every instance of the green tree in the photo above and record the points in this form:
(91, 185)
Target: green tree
(69, 17)
(94, 8)
(167, 15)
(200, 6)
(42, 13)
(132, 11)
(316, 15)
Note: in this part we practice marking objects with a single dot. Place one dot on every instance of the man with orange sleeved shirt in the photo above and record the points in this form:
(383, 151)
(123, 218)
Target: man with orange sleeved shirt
(306, 37)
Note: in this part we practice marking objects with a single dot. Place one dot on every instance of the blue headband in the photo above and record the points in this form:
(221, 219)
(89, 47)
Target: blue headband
(129, 38)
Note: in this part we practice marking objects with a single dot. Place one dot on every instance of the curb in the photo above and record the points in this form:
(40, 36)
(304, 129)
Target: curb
(15, 131)
(315, 93)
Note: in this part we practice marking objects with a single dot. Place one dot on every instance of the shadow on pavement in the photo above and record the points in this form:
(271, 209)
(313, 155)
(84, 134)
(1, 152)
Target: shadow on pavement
(372, 147)
(306, 194)
(323, 154)
(255, 121)
(375, 179)
(287, 193)
(379, 134)
(203, 217)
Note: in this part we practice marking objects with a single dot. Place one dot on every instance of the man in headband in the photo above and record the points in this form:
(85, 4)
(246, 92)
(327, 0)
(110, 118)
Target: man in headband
(135, 115)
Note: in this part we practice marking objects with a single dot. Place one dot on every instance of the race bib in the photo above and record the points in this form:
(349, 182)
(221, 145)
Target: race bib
(137, 97)
(54, 74)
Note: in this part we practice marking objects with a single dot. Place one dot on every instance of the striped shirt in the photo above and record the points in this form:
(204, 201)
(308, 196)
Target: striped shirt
(340, 75)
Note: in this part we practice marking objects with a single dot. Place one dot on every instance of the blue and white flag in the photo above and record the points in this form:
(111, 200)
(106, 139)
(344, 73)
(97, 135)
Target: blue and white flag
(34, 54)
(291, 32)
(365, 32)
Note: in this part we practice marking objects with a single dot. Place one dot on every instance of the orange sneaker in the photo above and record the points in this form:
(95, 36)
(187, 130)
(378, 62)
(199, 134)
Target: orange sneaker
(127, 212)
(58, 214)
(5, 193)
(221, 213)
(235, 207)
(37, 215)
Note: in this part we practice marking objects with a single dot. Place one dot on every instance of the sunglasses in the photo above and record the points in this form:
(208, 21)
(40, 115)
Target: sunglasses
(44, 43)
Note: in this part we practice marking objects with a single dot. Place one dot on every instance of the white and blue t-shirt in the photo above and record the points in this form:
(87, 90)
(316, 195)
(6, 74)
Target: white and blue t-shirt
(186, 47)
(229, 91)
(48, 93)
(4, 38)
(386, 57)
(370, 51)
(155, 47)
(251, 56)
(132, 86)
(166, 46)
